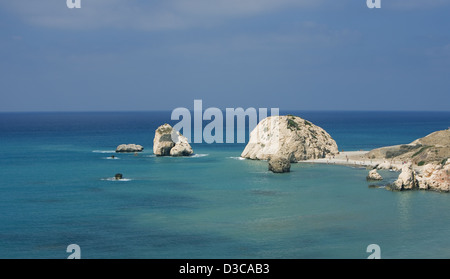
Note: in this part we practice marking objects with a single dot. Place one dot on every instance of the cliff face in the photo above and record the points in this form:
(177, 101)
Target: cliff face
(289, 137)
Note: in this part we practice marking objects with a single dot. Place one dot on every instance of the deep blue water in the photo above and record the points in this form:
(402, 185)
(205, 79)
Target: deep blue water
(55, 191)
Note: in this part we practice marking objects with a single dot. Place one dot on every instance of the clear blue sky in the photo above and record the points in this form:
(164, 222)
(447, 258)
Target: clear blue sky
(124, 55)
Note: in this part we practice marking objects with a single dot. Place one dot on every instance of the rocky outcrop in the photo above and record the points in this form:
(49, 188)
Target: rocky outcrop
(163, 143)
(289, 137)
(406, 180)
(427, 166)
(181, 147)
(127, 148)
(389, 166)
(374, 175)
(435, 177)
(278, 164)
(169, 142)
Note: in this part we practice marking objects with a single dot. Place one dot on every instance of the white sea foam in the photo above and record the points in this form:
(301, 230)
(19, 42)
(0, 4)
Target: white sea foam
(114, 179)
(237, 158)
(175, 157)
(104, 151)
(198, 155)
(111, 158)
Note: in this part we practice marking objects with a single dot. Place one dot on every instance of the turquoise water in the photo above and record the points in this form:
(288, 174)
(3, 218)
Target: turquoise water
(56, 190)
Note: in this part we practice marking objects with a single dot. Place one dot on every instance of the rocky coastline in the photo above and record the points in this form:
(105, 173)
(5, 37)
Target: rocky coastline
(422, 164)
(281, 140)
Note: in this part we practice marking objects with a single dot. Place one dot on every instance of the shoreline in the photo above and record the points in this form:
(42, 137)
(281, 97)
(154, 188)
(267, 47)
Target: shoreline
(354, 159)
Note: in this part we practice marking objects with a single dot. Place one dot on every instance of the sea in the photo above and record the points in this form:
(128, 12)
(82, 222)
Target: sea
(57, 189)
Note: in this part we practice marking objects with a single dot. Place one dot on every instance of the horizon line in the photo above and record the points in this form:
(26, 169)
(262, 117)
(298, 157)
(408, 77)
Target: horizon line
(285, 110)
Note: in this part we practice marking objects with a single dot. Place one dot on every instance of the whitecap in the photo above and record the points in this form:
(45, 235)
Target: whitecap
(111, 158)
(114, 179)
(237, 158)
(104, 151)
(198, 155)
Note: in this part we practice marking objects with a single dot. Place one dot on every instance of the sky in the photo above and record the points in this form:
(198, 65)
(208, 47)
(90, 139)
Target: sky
(136, 55)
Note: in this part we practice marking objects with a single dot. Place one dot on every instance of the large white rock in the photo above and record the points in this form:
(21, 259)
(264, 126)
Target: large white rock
(289, 137)
(407, 179)
(169, 142)
(181, 147)
(435, 177)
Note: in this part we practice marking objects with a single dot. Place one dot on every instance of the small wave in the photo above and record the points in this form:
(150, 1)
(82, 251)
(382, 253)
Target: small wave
(104, 151)
(198, 155)
(114, 179)
(149, 156)
(111, 158)
(237, 158)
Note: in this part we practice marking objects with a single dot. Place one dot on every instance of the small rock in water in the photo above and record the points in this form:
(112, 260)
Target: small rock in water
(129, 148)
(279, 164)
(374, 175)
(377, 186)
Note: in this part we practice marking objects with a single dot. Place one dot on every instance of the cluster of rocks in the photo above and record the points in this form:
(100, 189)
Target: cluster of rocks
(170, 142)
(167, 142)
(282, 140)
(425, 163)
(432, 176)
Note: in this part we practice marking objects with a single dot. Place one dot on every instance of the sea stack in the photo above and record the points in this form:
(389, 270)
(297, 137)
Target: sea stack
(169, 142)
(289, 137)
